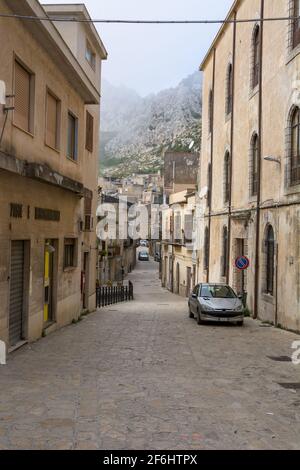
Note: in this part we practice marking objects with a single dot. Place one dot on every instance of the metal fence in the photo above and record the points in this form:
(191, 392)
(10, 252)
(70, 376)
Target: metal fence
(109, 295)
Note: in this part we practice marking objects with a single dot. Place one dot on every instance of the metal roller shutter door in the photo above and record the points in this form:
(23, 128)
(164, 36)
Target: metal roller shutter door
(16, 292)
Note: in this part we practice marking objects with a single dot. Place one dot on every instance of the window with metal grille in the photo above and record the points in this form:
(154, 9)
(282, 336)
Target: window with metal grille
(224, 264)
(270, 260)
(296, 23)
(226, 177)
(72, 136)
(295, 147)
(206, 249)
(24, 98)
(52, 121)
(70, 253)
(229, 89)
(256, 56)
(254, 166)
(89, 132)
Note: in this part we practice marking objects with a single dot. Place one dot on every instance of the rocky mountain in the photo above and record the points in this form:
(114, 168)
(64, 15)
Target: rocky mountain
(136, 131)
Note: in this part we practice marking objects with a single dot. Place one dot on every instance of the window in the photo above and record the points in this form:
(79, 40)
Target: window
(295, 147)
(90, 55)
(70, 253)
(256, 57)
(254, 166)
(229, 90)
(210, 112)
(24, 98)
(88, 219)
(296, 23)
(72, 136)
(206, 249)
(270, 259)
(224, 252)
(89, 132)
(226, 177)
(211, 291)
(52, 121)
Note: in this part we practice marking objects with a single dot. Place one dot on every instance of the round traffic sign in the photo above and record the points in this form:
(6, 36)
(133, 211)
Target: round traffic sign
(242, 263)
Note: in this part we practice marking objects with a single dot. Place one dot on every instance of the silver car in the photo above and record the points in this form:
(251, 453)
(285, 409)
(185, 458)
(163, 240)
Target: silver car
(217, 303)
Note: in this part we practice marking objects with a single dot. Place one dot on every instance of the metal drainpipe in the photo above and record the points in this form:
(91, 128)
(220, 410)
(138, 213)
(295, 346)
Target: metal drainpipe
(211, 160)
(231, 151)
(260, 110)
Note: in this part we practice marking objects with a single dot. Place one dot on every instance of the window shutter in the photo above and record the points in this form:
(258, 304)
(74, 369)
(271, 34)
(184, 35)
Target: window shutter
(51, 126)
(22, 97)
(89, 143)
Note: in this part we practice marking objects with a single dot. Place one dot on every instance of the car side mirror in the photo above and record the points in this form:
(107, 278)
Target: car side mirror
(194, 296)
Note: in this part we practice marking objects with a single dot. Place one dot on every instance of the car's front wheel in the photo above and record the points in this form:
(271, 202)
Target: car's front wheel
(240, 323)
(199, 321)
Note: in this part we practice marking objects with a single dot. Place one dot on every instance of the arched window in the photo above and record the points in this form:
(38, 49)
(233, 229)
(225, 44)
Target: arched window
(296, 22)
(210, 111)
(270, 260)
(256, 57)
(254, 166)
(224, 252)
(206, 249)
(226, 177)
(295, 147)
(229, 89)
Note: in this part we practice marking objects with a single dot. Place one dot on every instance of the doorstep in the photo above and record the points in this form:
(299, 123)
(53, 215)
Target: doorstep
(19, 345)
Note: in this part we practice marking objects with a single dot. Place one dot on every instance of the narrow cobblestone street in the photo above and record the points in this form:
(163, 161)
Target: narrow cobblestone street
(142, 375)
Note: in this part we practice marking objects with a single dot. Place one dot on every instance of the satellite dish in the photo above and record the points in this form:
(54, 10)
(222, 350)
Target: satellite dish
(2, 93)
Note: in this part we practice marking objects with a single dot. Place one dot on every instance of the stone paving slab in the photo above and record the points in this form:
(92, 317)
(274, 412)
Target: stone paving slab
(142, 375)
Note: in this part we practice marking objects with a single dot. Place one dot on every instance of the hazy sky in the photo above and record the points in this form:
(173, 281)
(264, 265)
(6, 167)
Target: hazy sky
(149, 58)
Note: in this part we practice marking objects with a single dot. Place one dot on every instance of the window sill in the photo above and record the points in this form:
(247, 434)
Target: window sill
(293, 54)
(72, 160)
(253, 92)
(30, 134)
(70, 269)
(57, 150)
(268, 298)
(292, 190)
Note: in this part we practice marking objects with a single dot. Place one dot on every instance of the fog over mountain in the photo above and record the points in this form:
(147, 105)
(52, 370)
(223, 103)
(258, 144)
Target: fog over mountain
(136, 131)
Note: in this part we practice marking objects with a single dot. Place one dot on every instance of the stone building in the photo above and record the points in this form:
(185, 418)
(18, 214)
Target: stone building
(48, 168)
(250, 160)
(180, 171)
(177, 253)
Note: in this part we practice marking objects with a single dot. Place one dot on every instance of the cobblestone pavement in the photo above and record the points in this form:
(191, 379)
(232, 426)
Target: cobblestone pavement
(142, 375)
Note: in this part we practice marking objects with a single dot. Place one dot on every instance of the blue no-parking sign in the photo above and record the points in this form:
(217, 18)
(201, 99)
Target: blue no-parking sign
(242, 263)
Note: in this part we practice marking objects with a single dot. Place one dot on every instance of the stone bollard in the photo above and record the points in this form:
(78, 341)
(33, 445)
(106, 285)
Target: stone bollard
(2, 353)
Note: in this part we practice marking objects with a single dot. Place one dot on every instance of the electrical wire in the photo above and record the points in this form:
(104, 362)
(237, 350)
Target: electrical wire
(86, 20)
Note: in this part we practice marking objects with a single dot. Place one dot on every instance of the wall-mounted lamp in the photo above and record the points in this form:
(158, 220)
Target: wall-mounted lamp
(270, 158)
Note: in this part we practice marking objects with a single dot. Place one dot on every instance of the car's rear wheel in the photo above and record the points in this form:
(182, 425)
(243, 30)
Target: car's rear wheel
(240, 323)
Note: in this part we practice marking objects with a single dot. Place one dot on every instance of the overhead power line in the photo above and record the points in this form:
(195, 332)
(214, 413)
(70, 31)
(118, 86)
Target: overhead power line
(85, 20)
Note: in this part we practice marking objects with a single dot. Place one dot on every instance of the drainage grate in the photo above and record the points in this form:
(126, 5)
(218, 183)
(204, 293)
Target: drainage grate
(280, 358)
(293, 386)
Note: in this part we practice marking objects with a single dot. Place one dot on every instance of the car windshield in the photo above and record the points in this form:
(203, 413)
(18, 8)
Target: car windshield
(217, 292)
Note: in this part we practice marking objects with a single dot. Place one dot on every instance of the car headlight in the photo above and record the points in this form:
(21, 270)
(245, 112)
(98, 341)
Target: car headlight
(240, 308)
(207, 308)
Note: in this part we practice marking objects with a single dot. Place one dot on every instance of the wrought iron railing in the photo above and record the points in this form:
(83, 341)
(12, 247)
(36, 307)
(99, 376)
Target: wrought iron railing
(109, 295)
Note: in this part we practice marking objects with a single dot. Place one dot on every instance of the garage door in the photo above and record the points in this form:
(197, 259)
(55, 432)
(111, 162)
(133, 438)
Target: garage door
(16, 293)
